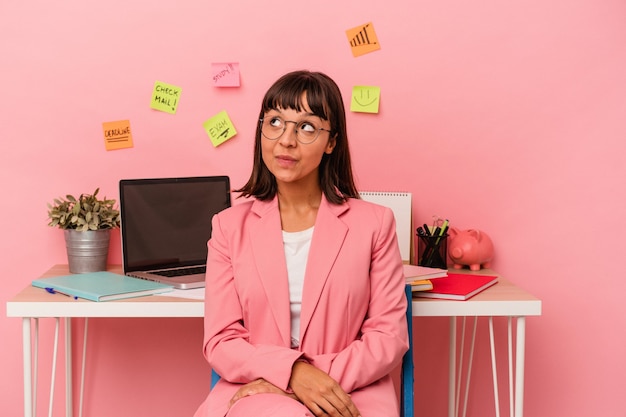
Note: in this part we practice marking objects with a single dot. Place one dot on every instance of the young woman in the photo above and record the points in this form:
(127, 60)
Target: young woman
(305, 305)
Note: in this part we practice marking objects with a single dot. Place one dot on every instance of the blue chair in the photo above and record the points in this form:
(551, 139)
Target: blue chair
(407, 379)
(407, 376)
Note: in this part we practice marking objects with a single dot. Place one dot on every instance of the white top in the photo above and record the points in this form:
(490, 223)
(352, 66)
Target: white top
(296, 245)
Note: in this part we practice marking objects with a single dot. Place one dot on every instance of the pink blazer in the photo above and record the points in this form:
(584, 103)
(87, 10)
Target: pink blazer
(353, 323)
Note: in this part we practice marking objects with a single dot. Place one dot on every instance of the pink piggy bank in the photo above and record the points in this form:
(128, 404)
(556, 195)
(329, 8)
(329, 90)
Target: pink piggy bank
(469, 247)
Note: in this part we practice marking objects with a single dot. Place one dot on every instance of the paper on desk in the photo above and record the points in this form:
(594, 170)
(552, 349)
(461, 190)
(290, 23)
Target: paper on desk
(192, 294)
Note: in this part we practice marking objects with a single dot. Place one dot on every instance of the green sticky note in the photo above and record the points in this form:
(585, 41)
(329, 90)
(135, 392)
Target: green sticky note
(365, 99)
(165, 97)
(219, 128)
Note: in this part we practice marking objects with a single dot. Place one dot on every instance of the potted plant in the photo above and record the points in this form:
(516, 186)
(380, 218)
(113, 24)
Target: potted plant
(87, 222)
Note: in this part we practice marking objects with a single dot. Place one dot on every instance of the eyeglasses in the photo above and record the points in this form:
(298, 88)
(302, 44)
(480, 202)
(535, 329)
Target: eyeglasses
(306, 132)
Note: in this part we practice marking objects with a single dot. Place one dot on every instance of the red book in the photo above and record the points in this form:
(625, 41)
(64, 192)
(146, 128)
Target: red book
(458, 286)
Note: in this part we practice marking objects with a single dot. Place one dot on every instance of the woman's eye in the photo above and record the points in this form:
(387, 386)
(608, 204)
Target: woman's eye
(307, 127)
(276, 122)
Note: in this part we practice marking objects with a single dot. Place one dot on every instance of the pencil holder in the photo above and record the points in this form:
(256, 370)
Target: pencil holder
(432, 251)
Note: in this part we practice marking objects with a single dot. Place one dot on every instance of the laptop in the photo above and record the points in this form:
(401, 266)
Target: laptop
(165, 226)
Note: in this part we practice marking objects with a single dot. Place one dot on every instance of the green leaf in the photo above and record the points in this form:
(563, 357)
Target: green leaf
(85, 213)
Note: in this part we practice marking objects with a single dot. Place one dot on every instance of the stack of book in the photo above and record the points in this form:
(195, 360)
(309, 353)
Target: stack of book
(420, 277)
(430, 282)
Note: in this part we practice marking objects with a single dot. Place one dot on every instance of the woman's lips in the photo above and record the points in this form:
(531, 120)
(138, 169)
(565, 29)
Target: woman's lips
(285, 161)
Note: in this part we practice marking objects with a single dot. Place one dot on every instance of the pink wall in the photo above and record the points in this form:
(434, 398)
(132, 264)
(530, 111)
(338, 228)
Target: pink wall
(503, 116)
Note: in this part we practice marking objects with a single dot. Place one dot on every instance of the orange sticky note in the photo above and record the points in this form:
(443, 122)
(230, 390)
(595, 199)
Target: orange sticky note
(117, 135)
(363, 39)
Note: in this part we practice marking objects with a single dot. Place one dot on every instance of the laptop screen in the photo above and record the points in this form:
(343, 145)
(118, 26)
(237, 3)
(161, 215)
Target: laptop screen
(166, 222)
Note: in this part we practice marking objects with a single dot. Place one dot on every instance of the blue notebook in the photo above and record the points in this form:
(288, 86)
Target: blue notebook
(101, 286)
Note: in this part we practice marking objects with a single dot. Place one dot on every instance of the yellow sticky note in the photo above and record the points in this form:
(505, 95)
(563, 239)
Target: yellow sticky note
(117, 135)
(165, 97)
(363, 39)
(365, 99)
(219, 128)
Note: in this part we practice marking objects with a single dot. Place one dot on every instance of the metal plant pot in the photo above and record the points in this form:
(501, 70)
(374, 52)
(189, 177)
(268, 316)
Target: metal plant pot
(87, 251)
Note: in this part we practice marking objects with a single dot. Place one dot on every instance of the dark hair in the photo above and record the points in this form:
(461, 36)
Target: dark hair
(324, 99)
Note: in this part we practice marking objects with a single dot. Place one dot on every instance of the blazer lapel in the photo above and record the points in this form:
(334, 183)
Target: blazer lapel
(328, 238)
(267, 245)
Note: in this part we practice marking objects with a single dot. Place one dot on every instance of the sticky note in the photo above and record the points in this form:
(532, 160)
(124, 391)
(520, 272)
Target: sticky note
(363, 39)
(365, 99)
(219, 128)
(117, 135)
(165, 97)
(225, 74)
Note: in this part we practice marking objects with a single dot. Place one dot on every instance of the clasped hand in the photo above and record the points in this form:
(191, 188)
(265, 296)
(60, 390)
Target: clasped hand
(312, 387)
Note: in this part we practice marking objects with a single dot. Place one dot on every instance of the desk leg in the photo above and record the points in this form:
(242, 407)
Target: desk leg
(494, 367)
(68, 367)
(452, 369)
(520, 343)
(511, 372)
(28, 375)
(519, 366)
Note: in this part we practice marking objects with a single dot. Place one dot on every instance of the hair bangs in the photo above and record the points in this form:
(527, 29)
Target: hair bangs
(290, 94)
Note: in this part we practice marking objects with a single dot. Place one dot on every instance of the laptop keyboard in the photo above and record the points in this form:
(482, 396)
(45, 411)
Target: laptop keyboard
(181, 272)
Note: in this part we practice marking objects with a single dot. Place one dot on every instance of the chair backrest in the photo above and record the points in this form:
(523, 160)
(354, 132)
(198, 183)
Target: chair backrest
(214, 378)
(407, 375)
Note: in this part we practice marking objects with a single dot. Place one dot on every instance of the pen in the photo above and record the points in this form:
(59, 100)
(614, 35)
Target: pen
(53, 291)
(430, 245)
(440, 232)
(444, 229)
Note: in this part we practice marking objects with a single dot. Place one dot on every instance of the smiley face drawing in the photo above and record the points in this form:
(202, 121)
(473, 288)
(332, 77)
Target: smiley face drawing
(365, 99)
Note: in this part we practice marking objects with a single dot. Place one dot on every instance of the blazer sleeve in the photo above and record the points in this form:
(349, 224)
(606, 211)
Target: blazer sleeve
(226, 340)
(384, 334)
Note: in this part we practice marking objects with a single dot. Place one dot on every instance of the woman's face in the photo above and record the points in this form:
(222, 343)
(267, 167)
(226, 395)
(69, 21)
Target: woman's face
(289, 160)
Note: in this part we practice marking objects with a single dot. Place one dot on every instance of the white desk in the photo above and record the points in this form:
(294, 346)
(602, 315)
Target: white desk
(502, 299)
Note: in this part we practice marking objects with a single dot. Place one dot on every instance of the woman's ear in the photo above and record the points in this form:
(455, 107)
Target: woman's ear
(332, 142)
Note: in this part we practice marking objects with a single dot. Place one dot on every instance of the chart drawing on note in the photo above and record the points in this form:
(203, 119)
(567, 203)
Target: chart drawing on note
(362, 39)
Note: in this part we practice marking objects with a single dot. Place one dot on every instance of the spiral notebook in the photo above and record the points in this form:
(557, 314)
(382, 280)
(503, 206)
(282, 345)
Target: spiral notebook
(400, 204)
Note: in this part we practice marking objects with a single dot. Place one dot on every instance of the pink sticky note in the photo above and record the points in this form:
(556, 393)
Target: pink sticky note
(225, 74)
